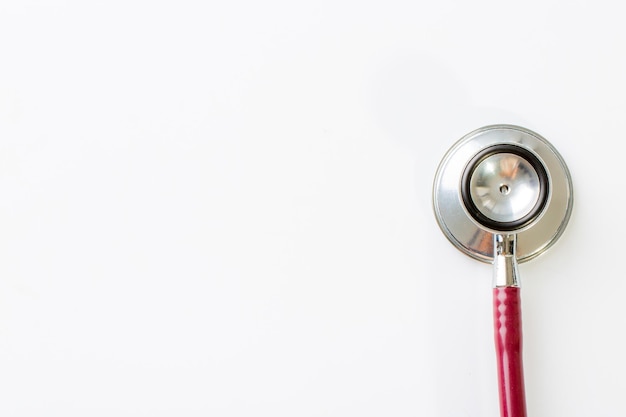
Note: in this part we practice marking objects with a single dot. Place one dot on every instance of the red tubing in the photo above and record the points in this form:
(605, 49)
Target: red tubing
(507, 316)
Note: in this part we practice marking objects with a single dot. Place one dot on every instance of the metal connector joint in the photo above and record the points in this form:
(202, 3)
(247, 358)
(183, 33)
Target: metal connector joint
(505, 273)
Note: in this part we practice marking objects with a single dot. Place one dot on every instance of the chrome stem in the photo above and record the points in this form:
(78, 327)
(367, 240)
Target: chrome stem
(505, 273)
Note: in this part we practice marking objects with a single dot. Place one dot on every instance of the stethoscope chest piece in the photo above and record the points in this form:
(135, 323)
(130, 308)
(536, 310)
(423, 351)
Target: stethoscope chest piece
(502, 179)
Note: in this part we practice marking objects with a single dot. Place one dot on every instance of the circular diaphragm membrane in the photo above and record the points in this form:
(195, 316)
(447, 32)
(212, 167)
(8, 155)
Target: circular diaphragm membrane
(502, 179)
(505, 187)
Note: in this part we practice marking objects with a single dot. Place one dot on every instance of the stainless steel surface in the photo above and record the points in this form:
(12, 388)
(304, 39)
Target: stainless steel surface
(505, 273)
(475, 239)
(504, 187)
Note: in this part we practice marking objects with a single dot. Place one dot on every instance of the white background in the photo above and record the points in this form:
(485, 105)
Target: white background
(223, 208)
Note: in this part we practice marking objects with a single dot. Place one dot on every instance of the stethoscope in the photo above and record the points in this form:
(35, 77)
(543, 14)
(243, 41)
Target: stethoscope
(503, 195)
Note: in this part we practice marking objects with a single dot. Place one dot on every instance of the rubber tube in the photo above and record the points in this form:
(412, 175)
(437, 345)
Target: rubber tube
(508, 334)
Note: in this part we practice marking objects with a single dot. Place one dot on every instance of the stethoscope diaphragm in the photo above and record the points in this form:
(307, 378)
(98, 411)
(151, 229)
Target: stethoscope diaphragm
(472, 202)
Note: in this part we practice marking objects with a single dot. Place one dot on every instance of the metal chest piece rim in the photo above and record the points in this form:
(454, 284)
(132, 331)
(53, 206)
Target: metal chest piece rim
(470, 219)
